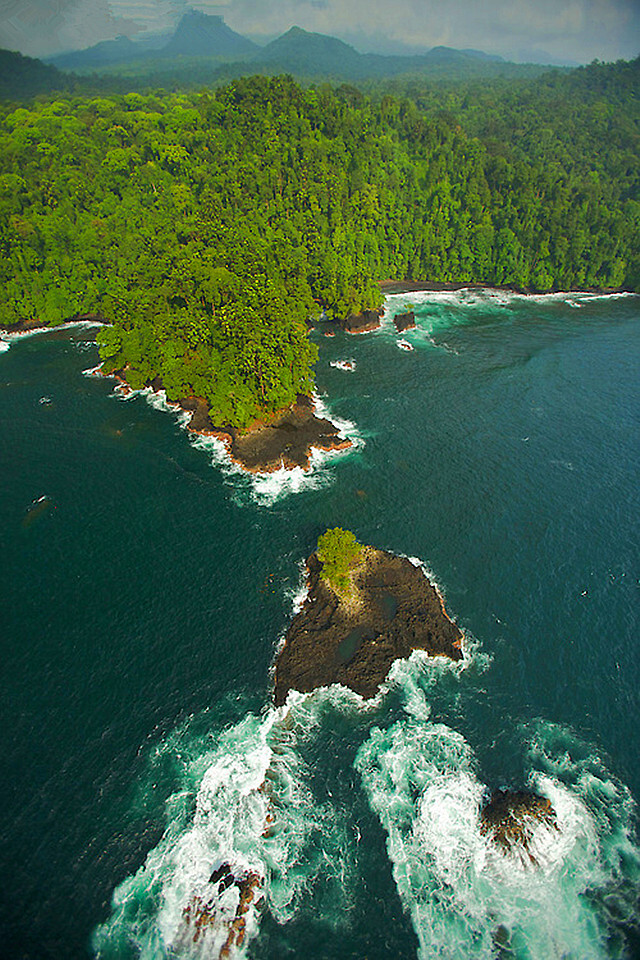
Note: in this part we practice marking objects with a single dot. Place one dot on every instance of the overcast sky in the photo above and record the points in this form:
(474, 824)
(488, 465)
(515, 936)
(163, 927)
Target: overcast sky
(558, 30)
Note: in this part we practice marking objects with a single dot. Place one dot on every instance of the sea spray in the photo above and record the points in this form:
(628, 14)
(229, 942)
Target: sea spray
(557, 755)
(465, 895)
(255, 816)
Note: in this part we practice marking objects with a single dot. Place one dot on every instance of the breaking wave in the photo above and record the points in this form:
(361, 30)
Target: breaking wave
(262, 489)
(7, 338)
(348, 366)
(467, 898)
(257, 828)
(439, 310)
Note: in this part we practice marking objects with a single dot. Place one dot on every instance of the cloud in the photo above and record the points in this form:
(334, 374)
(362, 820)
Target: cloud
(570, 29)
(42, 27)
(578, 30)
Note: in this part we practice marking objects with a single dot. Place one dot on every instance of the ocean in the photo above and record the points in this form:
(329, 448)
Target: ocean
(147, 585)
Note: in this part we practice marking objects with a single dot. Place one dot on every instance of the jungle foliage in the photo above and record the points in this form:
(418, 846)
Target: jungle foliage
(338, 550)
(208, 226)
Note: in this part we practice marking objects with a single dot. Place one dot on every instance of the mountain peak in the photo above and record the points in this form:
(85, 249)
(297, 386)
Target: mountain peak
(204, 34)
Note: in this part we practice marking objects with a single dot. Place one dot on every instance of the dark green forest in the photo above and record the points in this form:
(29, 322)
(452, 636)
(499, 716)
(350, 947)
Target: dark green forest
(208, 227)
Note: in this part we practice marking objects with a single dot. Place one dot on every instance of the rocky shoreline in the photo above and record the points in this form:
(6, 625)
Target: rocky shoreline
(286, 440)
(37, 326)
(396, 610)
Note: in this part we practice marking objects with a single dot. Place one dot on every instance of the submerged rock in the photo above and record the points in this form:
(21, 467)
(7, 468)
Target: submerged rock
(511, 816)
(394, 610)
(219, 922)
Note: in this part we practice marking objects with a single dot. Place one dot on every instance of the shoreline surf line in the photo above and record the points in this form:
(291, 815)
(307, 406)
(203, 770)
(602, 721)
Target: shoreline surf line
(311, 450)
(8, 336)
(392, 287)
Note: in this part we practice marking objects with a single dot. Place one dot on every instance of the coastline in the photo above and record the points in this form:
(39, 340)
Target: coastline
(286, 440)
(390, 287)
(30, 328)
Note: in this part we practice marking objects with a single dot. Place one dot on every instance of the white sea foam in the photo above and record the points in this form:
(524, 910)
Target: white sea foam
(264, 489)
(253, 811)
(94, 372)
(463, 893)
(347, 365)
(300, 591)
(4, 346)
(488, 296)
(70, 325)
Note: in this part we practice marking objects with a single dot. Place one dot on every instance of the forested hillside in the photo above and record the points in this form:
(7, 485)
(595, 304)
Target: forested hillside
(23, 77)
(209, 227)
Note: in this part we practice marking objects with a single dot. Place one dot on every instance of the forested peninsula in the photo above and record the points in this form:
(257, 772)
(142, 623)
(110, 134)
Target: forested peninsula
(209, 228)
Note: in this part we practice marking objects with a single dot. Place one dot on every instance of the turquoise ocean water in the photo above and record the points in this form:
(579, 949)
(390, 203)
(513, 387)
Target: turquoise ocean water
(145, 590)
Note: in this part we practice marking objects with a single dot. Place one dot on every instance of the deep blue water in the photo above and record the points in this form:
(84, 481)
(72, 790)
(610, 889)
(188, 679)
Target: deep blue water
(144, 598)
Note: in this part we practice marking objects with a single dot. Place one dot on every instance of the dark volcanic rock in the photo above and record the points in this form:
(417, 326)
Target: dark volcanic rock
(362, 322)
(405, 321)
(332, 642)
(199, 408)
(511, 816)
(287, 440)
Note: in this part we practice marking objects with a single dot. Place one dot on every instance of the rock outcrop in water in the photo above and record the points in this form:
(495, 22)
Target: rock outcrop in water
(394, 610)
(362, 322)
(510, 818)
(405, 321)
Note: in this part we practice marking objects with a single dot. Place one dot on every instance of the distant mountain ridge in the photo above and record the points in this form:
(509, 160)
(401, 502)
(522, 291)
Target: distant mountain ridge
(298, 51)
(101, 54)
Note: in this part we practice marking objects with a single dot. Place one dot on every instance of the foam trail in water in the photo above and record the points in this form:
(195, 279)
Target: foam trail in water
(263, 489)
(4, 346)
(467, 898)
(256, 829)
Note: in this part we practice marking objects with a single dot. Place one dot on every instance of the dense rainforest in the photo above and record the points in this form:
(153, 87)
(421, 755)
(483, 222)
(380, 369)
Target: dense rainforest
(208, 227)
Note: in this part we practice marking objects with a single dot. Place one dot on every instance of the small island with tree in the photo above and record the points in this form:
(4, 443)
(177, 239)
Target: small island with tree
(364, 609)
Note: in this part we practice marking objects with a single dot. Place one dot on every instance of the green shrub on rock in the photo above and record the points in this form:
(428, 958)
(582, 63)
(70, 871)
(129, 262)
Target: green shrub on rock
(338, 550)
